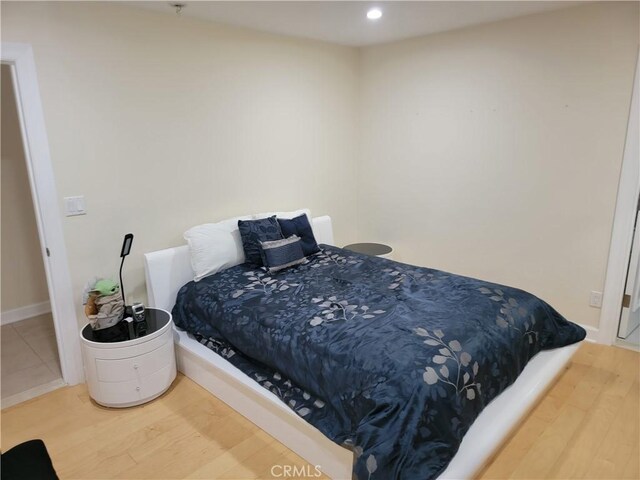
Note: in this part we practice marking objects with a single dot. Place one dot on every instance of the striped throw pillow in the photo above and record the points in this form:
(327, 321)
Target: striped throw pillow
(280, 254)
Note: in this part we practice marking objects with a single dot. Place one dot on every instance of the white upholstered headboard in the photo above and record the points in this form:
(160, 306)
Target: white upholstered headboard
(168, 270)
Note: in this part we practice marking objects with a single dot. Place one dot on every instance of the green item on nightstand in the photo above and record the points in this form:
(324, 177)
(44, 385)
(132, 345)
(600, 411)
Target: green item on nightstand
(106, 287)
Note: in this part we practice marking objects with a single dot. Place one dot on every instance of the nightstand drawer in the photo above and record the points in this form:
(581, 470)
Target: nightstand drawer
(158, 382)
(119, 393)
(134, 367)
(135, 391)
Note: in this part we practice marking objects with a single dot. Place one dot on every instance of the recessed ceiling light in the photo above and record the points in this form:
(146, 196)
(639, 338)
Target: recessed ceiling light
(374, 14)
(178, 6)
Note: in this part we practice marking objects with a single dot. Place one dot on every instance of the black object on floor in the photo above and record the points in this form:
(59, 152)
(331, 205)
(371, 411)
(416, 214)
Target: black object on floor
(27, 461)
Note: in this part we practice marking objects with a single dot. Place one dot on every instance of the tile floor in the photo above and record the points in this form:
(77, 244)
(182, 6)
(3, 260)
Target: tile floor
(632, 341)
(634, 337)
(28, 356)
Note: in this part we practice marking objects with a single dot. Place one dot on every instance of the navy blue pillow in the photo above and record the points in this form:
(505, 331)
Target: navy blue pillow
(280, 254)
(301, 227)
(255, 231)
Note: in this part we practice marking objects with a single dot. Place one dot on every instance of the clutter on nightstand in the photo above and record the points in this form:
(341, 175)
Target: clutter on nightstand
(104, 306)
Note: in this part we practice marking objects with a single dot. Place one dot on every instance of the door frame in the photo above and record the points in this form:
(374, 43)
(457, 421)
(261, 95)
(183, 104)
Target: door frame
(19, 57)
(623, 223)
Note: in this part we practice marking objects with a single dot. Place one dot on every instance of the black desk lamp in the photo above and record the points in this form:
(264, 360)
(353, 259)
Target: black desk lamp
(126, 248)
(136, 311)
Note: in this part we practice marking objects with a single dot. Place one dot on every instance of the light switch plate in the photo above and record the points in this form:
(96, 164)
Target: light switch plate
(595, 299)
(74, 206)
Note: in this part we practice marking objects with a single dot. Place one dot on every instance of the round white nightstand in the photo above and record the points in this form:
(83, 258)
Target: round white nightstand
(131, 372)
(375, 249)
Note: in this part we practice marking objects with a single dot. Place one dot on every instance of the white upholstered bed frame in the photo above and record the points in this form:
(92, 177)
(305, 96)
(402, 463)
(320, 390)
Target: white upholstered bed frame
(168, 270)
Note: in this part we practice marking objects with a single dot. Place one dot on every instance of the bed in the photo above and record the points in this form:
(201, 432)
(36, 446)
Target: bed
(169, 270)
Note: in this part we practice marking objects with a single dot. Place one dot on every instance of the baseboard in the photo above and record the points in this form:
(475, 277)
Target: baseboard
(593, 333)
(32, 393)
(22, 313)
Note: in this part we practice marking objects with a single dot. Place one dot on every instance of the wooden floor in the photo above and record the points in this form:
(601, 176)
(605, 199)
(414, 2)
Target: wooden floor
(587, 426)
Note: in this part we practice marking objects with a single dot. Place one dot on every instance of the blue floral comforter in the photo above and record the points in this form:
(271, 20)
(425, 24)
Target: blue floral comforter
(391, 360)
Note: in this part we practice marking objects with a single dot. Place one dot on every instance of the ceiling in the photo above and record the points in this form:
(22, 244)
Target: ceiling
(345, 22)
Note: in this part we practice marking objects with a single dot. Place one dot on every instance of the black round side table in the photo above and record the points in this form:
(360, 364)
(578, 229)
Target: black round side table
(375, 249)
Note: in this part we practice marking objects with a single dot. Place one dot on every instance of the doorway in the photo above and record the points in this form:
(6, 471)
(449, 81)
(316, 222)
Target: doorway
(629, 325)
(20, 60)
(29, 359)
(616, 325)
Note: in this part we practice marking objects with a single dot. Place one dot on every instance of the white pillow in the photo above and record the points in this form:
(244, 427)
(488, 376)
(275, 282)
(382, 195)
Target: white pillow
(214, 247)
(285, 215)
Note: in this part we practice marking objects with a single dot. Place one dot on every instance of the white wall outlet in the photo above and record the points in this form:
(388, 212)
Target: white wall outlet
(595, 299)
(74, 206)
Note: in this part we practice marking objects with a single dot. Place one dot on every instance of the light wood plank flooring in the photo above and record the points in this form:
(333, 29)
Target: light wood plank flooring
(587, 426)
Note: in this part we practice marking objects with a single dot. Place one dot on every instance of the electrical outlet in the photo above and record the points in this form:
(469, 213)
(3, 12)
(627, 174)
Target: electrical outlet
(595, 299)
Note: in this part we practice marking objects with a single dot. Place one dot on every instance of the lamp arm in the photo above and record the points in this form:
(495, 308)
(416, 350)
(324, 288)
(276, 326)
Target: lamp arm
(121, 284)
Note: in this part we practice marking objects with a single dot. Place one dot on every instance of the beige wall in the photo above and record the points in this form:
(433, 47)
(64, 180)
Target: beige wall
(495, 151)
(492, 151)
(23, 278)
(165, 122)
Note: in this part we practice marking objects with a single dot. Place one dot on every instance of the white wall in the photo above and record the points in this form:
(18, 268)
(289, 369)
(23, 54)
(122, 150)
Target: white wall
(495, 151)
(23, 279)
(164, 122)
